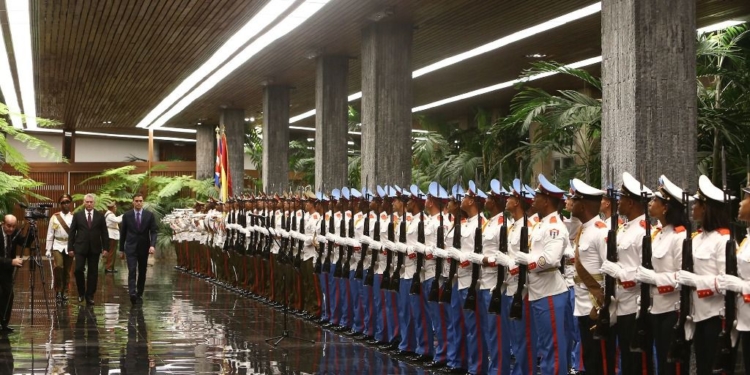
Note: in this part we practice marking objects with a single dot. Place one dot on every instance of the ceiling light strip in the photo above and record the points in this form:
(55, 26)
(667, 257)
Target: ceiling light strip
(268, 14)
(20, 33)
(8, 87)
(291, 22)
(499, 86)
(133, 136)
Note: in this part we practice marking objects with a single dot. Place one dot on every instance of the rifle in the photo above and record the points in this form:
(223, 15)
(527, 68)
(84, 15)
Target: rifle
(327, 263)
(386, 281)
(723, 358)
(293, 215)
(359, 272)
(471, 297)
(496, 300)
(370, 279)
(300, 243)
(339, 270)
(642, 341)
(349, 249)
(516, 307)
(416, 281)
(679, 347)
(396, 278)
(447, 288)
(434, 295)
(603, 319)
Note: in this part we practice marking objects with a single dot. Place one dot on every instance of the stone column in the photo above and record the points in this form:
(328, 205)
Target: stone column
(276, 138)
(331, 122)
(205, 151)
(234, 128)
(386, 104)
(649, 115)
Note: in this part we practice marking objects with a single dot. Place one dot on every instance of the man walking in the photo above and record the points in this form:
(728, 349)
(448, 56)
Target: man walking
(113, 229)
(137, 242)
(87, 241)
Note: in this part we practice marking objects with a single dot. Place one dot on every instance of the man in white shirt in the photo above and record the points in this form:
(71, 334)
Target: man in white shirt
(113, 229)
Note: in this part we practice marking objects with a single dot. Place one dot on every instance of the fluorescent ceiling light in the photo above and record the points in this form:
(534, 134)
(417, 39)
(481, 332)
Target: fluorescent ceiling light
(20, 33)
(8, 86)
(419, 131)
(306, 128)
(719, 26)
(499, 86)
(291, 22)
(45, 130)
(504, 41)
(177, 130)
(268, 14)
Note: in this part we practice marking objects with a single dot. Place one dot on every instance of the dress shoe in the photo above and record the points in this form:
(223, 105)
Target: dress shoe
(90, 301)
(351, 333)
(113, 270)
(421, 358)
(80, 300)
(401, 353)
(435, 365)
(454, 370)
(64, 297)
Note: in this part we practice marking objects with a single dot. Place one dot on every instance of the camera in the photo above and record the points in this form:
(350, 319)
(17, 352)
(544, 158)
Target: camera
(40, 211)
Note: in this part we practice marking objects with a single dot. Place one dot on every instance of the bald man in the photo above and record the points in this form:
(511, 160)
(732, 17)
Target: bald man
(8, 260)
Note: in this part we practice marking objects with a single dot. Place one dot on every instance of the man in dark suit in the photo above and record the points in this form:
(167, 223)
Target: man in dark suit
(8, 260)
(137, 241)
(87, 240)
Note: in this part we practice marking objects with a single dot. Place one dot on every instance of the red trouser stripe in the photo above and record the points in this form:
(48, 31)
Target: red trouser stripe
(554, 333)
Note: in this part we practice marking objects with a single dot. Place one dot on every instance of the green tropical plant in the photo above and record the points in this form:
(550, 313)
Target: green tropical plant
(15, 189)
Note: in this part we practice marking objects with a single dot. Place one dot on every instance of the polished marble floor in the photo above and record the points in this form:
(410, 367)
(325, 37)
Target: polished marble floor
(184, 326)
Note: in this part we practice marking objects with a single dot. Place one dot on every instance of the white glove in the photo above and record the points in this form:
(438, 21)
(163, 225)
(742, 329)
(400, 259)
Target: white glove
(388, 244)
(308, 241)
(614, 270)
(454, 253)
(503, 259)
(523, 258)
(321, 240)
(690, 279)
(375, 245)
(410, 250)
(330, 237)
(419, 248)
(365, 240)
(401, 247)
(569, 252)
(463, 257)
(48, 254)
(477, 258)
(645, 275)
(442, 253)
(428, 250)
(355, 243)
(730, 283)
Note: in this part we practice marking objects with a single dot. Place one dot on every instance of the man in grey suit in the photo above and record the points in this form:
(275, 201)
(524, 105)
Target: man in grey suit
(137, 241)
(87, 240)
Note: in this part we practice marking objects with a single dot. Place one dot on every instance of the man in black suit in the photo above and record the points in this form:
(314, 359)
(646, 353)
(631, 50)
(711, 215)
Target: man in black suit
(86, 241)
(8, 260)
(137, 241)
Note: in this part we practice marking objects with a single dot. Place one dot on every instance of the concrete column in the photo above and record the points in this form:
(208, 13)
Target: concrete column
(234, 128)
(276, 138)
(386, 104)
(649, 115)
(205, 151)
(331, 121)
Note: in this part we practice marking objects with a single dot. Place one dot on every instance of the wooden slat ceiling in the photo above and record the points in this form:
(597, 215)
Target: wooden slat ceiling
(115, 60)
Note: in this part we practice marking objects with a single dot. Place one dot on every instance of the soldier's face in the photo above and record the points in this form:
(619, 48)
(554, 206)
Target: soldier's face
(698, 210)
(744, 213)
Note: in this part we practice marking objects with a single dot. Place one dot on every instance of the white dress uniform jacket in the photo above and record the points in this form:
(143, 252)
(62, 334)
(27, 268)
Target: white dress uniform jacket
(666, 258)
(629, 247)
(709, 259)
(592, 251)
(548, 240)
(57, 237)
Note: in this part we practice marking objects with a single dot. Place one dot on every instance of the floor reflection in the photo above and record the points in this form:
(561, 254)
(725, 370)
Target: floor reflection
(184, 326)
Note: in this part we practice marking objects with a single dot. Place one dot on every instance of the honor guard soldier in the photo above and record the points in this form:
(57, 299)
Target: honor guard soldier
(590, 248)
(629, 247)
(57, 245)
(711, 209)
(436, 226)
(356, 228)
(364, 232)
(310, 291)
(113, 228)
(546, 287)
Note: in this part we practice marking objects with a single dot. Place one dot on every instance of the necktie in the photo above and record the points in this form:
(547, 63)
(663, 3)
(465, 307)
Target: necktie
(89, 220)
(7, 245)
(138, 220)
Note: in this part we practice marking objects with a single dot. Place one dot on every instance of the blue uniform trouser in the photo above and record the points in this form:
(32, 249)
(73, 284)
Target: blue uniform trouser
(574, 336)
(391, 307)
(355, 290)
(325, 305)
(516, 337)
(366, 296)
(493, 333)
(422, 320)
(334, 316)
(346, 301)
(439, 317)
(379, 309)
(405, 321)
(457, 357)
(548, 314)
(476, 328)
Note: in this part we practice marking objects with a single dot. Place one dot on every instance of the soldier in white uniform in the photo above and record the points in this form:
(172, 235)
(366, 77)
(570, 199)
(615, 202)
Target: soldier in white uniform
(57, 245)
(709, 260)
(590, 249)
(113, 228)
(546, 286)
(629, 246)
